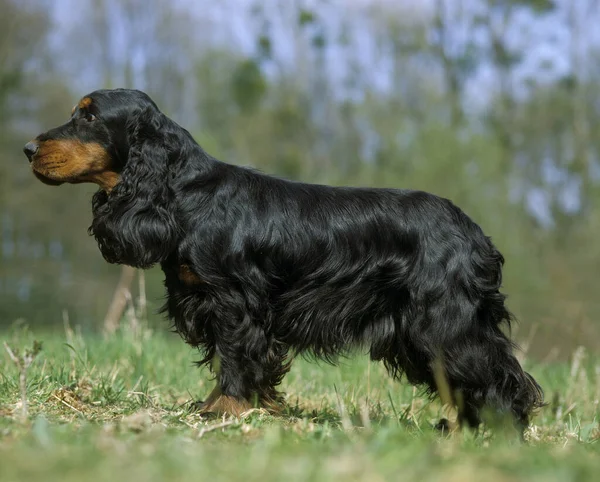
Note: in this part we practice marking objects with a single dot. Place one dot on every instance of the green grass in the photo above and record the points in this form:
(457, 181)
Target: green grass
(115, 410)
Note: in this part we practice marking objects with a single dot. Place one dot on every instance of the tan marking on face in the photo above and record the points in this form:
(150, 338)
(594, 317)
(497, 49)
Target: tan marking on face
(187, 276)
(106, 180)
(73, 109)
(73, 161)
(85, 102)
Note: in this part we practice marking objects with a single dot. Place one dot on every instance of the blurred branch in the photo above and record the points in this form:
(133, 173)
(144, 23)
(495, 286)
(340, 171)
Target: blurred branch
(451, 78)
(119, 300)
(581, 129)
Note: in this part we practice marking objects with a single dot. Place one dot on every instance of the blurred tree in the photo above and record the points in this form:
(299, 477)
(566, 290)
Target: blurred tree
(496, 21)
(457, 64)
(248, 86)
(23, 32)
(369, 93)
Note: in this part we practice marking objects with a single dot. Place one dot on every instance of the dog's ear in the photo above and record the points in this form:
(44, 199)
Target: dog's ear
(134, 223)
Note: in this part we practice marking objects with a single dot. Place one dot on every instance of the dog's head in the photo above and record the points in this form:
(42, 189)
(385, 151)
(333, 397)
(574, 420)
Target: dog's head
(121, 141)
(95, 144)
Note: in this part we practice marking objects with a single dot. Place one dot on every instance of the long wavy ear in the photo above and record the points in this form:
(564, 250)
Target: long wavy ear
(134, 223)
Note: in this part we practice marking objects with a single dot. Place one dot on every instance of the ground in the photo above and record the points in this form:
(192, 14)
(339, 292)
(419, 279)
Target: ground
(117, 409)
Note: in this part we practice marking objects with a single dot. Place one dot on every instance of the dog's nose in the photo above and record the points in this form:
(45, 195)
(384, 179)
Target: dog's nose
(30, 149)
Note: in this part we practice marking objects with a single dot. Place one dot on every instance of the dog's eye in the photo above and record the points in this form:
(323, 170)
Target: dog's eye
(90, 117)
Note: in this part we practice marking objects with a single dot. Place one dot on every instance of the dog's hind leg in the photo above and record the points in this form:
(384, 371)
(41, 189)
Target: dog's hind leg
(484, 373)
(458, 341)
(458, 312)
(463, 334)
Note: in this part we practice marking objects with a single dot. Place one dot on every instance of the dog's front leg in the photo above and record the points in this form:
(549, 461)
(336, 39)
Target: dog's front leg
(249, 364)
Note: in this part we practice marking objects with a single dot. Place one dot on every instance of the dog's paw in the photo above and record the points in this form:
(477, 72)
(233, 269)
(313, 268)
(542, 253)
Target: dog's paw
(222, 405)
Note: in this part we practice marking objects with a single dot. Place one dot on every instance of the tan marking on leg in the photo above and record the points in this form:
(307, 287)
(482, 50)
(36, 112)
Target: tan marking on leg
(273, 403)
(218, 404)
(212, 396)
(226, 405)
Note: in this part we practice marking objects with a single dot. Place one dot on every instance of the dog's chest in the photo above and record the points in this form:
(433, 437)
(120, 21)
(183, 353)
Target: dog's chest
(189, 304)
(187, 276)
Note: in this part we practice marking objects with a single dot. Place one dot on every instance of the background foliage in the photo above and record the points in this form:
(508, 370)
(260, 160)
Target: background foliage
(492, 103)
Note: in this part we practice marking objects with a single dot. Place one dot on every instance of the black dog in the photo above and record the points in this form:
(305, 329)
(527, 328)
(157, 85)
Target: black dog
(258, 268)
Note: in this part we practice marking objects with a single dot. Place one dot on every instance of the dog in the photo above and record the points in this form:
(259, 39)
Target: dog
(260, 269)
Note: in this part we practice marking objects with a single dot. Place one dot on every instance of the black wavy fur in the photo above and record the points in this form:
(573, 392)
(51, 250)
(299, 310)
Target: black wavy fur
(286, 267)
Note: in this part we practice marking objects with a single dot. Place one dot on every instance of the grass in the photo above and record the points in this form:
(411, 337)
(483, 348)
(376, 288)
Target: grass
(115, 409)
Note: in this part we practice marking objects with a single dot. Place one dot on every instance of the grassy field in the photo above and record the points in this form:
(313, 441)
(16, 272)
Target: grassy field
(114, 410)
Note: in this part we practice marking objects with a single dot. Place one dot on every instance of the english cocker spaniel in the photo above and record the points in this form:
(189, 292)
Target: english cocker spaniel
(258, 269)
